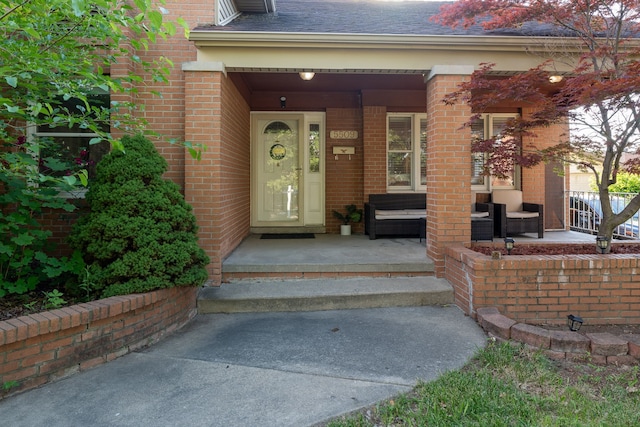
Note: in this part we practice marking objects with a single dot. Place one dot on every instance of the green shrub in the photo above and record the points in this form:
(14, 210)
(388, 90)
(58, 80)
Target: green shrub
(140, 234)
(26, 263)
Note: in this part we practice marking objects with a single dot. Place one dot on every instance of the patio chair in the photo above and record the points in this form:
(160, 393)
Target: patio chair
(513, 216)
(482, 221)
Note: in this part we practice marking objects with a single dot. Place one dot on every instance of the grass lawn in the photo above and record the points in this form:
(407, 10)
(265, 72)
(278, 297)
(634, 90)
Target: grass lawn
(506, 385)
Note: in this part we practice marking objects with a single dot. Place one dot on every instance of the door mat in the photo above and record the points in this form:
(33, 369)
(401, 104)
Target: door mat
(288, 236)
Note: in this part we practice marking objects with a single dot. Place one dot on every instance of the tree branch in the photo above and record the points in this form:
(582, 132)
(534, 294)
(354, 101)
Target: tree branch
(16, 7)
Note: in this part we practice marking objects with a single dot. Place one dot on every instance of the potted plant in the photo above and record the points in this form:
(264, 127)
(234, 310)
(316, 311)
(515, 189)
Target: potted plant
(352, 215)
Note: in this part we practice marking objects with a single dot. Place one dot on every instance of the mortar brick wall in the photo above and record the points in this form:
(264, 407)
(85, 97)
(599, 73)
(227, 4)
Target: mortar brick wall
(448, 170)
(343, 176)
(375, 150)
(202, 177)
(235, 153)
(218, 184)
(51, 345)
(166, 114)
(545, 289)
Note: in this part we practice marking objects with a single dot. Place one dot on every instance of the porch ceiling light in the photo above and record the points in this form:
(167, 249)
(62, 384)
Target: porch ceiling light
(555, 79)
(574, 322)
(508, 244)
(306, 75)
(602, 243)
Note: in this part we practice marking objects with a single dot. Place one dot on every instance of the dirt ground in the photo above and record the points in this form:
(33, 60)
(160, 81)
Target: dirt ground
(557, 249)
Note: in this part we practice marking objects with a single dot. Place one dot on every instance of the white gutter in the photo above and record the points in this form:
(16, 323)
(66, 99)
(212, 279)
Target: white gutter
(203, 38)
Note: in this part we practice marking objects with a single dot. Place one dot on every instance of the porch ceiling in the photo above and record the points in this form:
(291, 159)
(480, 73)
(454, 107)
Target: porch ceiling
(325, 81)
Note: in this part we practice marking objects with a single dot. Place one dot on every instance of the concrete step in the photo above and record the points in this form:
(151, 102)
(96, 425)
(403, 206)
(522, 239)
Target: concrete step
(316, 295)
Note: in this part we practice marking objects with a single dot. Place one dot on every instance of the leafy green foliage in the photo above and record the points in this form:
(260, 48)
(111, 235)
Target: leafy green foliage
(352, 214)
(140, 234)
(625, 183)
(8, 385)
(53, 299)
(54, 51)
(597, 92)
(53, 56)
(24, 260)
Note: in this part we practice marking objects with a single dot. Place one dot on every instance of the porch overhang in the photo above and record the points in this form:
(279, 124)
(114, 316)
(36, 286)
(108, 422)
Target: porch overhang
(364, 53)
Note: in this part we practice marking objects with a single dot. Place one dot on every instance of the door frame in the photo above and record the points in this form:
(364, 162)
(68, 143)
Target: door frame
(305, 120)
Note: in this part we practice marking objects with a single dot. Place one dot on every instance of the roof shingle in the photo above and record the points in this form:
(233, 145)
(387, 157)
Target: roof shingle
(346, 17)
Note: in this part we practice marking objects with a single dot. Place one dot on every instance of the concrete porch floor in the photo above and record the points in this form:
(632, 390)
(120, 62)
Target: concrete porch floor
(328, 252)
(333, 272)
(355, 253)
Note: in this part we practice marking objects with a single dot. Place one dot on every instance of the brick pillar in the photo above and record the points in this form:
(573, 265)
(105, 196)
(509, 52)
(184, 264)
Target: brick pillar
(533, 178)
(374, 119)
(448, 165)
(202, 177)
(541, 183)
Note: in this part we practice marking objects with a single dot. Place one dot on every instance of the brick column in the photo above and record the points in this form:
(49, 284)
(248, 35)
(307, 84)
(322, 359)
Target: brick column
(374, 119)
(203, 99)
(533, 178)
(448, 165)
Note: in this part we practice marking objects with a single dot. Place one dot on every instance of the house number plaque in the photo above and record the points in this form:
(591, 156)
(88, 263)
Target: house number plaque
(343, 134)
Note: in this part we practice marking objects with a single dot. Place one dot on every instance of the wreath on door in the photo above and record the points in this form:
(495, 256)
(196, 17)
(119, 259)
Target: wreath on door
(277, 152)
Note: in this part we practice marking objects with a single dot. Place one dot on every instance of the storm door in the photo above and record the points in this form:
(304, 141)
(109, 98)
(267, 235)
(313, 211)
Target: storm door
(288, 170)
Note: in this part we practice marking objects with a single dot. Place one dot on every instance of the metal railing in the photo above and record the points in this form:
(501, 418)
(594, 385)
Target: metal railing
(585, 213)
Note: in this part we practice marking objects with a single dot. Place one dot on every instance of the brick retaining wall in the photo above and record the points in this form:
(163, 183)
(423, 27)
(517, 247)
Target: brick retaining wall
(47, 346)
(600, 348)
(544, 289)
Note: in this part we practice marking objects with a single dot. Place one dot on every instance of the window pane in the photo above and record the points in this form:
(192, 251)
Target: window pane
(314, 148)
(423, 151)
(75, 152)
(66, 150)
(399, 133)
(477, 159)
(498, 124)
(399, 169)
(477, 169)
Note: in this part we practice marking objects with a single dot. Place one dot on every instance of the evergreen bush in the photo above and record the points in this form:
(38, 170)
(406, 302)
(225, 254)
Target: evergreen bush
(140, 234)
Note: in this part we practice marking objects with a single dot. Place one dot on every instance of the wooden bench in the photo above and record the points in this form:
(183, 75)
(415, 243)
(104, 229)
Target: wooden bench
(394, 214)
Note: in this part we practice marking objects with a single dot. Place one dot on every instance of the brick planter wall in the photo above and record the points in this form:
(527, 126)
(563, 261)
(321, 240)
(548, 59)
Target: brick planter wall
(47, 346)
(538, 289)
(600, 348)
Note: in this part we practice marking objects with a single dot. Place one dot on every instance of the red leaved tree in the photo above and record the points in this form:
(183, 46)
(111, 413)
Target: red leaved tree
(597, 45)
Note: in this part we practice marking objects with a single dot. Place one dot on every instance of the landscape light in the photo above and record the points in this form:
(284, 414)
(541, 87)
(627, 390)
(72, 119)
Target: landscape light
(574, 322)
(602, 243)
(509, 243)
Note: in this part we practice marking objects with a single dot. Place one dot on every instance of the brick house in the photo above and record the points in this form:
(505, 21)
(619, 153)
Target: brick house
(284, 150)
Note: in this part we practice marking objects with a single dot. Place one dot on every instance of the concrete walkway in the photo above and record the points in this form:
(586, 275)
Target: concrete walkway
(259, 369)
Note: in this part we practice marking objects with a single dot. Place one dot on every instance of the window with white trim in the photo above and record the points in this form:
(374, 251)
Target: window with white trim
(73, 145)
(406, 152)
(487, 126)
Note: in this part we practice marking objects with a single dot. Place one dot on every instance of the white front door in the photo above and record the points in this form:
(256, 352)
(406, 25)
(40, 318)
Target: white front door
(288, 169)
